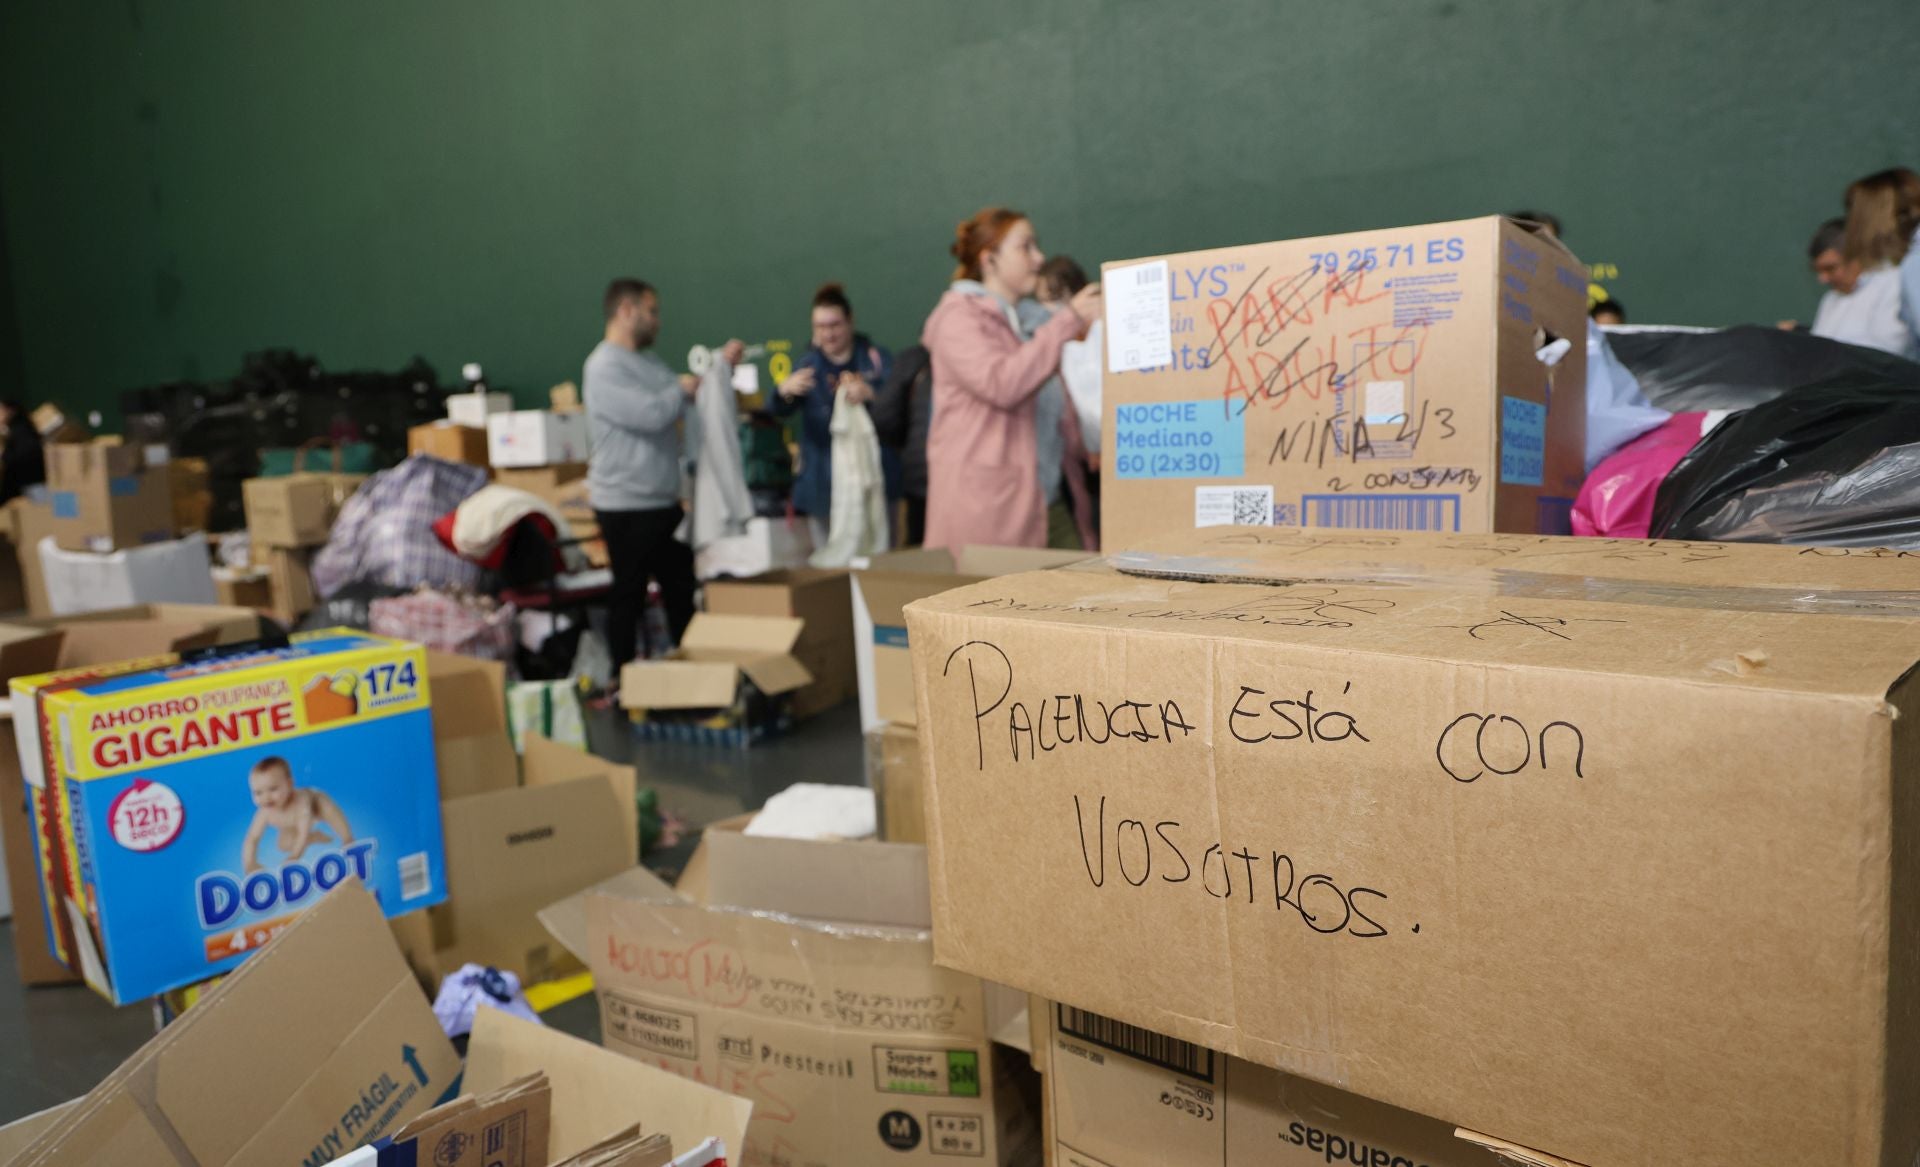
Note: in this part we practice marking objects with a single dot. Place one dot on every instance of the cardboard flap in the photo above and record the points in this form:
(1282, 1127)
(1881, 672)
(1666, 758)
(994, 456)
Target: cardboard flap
(774, 675)
(203, 1083)
(678, 684)
(566, 920)
(752, 634)
(883, 884)
(469, 694)
(545, 762)
(598, 1093)
(511, 853)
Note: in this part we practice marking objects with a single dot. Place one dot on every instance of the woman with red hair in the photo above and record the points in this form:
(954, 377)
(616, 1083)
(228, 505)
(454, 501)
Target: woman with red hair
(983, 483)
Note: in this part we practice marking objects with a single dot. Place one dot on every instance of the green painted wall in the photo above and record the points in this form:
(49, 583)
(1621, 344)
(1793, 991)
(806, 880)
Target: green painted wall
(184, 181)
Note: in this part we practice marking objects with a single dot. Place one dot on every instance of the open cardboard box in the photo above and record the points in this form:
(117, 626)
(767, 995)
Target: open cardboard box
(892, 580)
(320, 1043)
(724, 664)
(511, 852)
(811, 990)
(597, 1092)
(819, 598)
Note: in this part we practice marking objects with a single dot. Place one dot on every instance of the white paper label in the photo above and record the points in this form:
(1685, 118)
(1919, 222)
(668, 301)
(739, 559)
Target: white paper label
(1386, 402)
(1241, 506)
(1139, 316)
(746, 379)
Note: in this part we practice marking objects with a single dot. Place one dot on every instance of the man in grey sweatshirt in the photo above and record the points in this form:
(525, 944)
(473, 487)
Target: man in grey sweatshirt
(634, 407)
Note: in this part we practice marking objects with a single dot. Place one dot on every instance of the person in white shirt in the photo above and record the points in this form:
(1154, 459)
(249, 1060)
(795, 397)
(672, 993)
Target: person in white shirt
(1861, 305)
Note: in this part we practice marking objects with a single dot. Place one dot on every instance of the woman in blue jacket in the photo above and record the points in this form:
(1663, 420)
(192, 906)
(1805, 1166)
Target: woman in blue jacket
(838, 356)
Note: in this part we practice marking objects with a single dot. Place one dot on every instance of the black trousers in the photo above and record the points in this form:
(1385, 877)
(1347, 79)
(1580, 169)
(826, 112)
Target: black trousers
(640, 545)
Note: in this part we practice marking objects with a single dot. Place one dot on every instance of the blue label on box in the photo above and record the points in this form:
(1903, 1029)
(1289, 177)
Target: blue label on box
(890, 635)
(125, 486)
(1180, 439)
(66, 504)
(1523, 442)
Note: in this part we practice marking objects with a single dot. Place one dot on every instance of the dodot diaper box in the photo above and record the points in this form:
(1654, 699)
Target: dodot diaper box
(192, 809)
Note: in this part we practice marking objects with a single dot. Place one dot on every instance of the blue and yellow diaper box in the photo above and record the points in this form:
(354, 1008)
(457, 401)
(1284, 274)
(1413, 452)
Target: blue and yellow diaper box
(203, 804)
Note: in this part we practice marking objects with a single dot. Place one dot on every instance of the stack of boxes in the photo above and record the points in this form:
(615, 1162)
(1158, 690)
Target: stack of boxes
(462, 435)
(287, 518)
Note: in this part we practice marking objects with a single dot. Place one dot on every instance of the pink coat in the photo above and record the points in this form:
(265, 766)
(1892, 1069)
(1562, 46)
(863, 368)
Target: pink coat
(983, 483)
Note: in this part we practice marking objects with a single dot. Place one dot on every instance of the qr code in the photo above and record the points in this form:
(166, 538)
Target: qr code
(1252, 508)
(414, 879)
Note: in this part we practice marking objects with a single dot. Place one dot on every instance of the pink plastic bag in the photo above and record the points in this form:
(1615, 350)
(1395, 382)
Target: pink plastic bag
(1617, 498)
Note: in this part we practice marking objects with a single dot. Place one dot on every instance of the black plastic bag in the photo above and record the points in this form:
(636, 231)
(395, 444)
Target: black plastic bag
(1739, 368)
(1835, 463)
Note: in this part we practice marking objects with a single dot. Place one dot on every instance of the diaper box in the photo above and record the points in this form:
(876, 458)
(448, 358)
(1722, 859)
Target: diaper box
(200, 806)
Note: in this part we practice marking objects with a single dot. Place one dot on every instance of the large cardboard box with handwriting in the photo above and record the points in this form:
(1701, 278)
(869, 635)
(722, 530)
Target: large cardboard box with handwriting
(805, 983)
(1421, 378)
(1607, 849)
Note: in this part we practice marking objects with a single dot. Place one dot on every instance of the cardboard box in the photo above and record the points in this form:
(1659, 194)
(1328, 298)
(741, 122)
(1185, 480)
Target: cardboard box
(177, 571)
(1121, 1096)
(547, 482)
(509, 854)
(106, 497)
(296, 767)
(355, 1053)
(853, 1046)
(881, 591)
(1382, 379)
(472, 409)
(899, 783)
(536, 437)
(821, 600)
(1503, 830)
(449, 442)
(289, 582)
(29, 522)
(192, 489)
(596, 1092)
(564, 397)
(250, 587)
(295, 510)
(724, 663)
(470, 725)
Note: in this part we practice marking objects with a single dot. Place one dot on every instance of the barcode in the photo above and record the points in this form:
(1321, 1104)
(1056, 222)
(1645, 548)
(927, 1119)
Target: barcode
(1383, 512)
(415, 881)
(1253, 508)
(1169, 1053)
(1151, 273)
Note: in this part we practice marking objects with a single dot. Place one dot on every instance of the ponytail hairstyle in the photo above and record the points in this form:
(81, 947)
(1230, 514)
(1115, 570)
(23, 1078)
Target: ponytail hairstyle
(975, 237)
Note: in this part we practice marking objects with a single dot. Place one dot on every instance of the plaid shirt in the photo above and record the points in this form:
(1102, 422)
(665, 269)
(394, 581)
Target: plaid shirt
(384, 534)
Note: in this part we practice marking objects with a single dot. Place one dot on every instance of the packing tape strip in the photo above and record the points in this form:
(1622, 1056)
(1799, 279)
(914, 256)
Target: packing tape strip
(1519, 584)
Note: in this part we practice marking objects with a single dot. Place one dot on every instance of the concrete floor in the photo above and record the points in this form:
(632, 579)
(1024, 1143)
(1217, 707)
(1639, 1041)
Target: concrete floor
(56, 1043)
